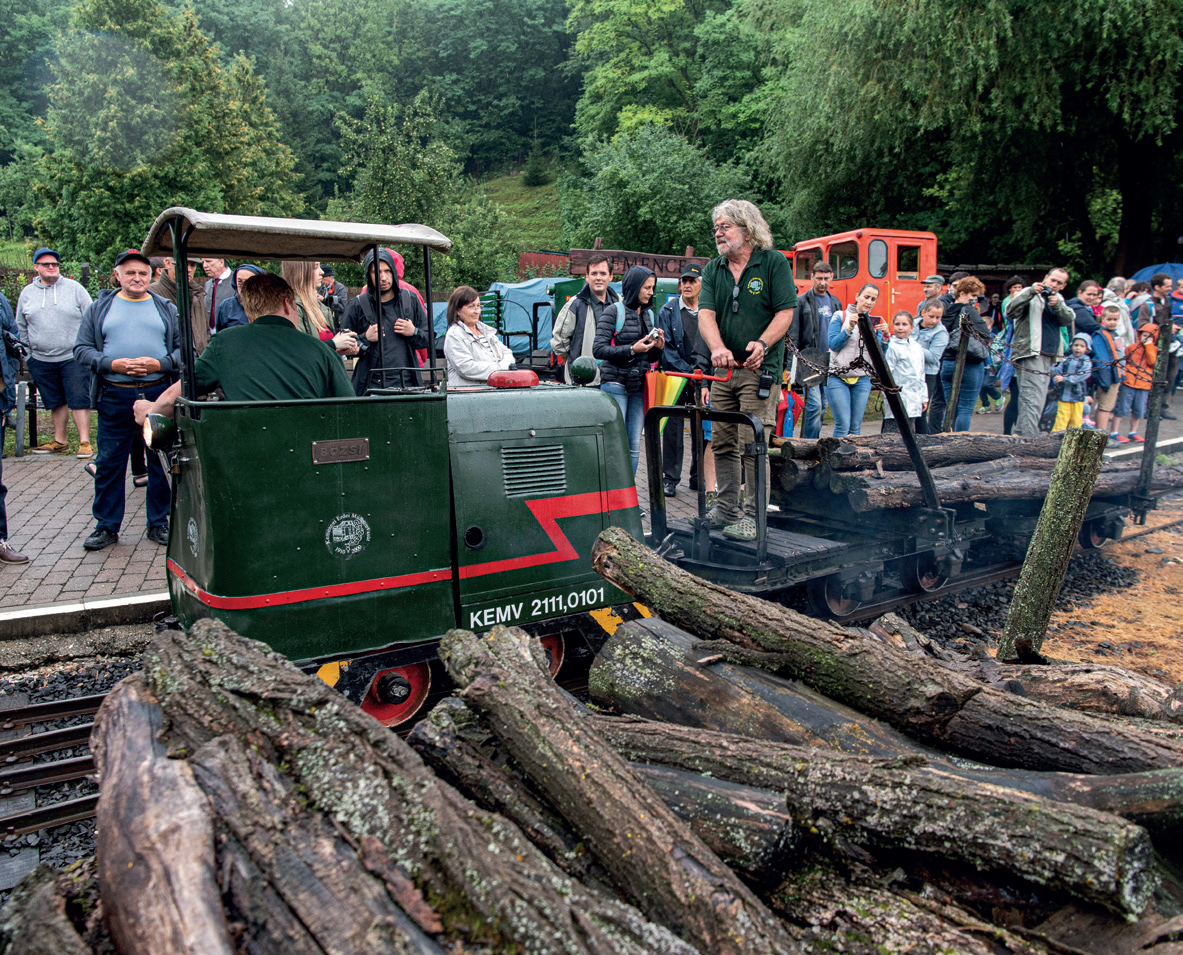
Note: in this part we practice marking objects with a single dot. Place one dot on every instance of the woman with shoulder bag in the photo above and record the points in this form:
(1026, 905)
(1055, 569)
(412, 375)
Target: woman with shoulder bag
(626, 343)
(964, 310)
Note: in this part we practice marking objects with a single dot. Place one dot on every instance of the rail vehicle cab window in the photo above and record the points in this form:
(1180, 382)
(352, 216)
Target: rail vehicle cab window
(907, 262)
(877, 258)
(844, 260)
(806, 258)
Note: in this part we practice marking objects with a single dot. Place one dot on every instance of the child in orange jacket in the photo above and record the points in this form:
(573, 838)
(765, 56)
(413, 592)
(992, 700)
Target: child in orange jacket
(1135, 384)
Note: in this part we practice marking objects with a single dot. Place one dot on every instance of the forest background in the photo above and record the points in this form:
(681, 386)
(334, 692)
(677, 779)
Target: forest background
(1016, 130)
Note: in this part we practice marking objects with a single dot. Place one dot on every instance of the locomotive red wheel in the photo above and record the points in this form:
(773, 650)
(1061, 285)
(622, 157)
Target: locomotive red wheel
(921, 572)
(395, 695)
(826, 597)
(553, 645)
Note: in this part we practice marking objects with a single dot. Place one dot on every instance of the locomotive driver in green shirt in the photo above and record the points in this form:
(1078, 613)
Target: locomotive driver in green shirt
(745, 309)
(268, 360)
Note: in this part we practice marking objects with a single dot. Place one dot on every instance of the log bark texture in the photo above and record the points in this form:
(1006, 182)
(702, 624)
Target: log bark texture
(651, 855)
(1094, 688)
(34, 920)
(311, 757)
(154, 836)
(912, 805)
(918, 696)
(861, 452)
(1069, 492)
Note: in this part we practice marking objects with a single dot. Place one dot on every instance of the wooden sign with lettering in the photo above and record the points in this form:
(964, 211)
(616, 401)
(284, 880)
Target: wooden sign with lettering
(620, 261)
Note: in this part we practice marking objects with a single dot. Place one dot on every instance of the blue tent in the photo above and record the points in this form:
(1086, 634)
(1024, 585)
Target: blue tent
(1175, 271)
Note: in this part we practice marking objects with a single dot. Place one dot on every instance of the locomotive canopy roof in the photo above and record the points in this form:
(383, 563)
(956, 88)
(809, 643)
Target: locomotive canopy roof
(261, 237)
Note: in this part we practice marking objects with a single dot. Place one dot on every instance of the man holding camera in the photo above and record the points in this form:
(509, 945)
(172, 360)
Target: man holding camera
(746, 306)
(1038, 312)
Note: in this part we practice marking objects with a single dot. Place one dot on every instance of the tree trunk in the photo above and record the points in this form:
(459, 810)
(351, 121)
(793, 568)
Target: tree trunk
(866, 452)
(1069, 492)
(918, 696)
(154, 836)
(34, 920)
(1097, 689)
(910, 805)
(652, 857)
(375, 826)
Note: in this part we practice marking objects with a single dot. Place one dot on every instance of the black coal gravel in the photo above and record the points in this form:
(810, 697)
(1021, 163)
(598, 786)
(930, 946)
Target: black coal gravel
(966, 620)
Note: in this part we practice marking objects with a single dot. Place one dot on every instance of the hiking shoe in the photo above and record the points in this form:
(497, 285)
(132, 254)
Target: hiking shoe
(1122, 439)
(9, 556)
(100, 538)
(1137, 438)
(85, 450)
(716, 519)
(53, 447)
(742, 530)
(158, 534)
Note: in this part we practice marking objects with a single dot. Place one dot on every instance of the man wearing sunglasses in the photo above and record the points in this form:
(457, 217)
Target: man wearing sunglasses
(747, 302)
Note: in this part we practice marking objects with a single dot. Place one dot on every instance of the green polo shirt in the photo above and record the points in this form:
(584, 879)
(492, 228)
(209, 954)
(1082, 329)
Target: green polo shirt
(766, 287)
(271, 360)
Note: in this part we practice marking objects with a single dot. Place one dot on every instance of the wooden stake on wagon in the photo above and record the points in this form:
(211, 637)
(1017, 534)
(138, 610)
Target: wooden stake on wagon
(1068, 496)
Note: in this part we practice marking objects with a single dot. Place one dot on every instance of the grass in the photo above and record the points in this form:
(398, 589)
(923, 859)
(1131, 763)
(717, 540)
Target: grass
(534, 216)
(14, 254)
(45, 433)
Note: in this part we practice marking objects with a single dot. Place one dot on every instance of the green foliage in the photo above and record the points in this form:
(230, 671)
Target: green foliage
(403, 173)
(649, 190)
(690, 65)
(536, 173)
(1008, 127)
(26, 42)
(143, 117)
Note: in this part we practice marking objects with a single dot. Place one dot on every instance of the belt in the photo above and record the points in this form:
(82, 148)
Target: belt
(132, 384)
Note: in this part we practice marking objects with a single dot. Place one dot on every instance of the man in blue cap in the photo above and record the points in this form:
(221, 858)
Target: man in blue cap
(48, 314)
(132, 343)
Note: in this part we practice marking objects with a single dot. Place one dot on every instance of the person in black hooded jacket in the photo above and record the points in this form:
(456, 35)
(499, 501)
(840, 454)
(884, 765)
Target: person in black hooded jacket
(626, 343)
(404, 328)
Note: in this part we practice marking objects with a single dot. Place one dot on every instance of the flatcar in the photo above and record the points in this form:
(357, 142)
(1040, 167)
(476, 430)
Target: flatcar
(349, 534)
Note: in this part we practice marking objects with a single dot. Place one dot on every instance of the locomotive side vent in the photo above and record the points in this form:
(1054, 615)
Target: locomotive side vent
(533, 471)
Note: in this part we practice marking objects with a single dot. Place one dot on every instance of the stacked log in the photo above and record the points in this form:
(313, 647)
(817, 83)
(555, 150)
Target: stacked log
(751, 781)
(875, 473)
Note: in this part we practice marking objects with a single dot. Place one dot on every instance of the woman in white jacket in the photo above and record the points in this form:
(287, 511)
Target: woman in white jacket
(472, 349)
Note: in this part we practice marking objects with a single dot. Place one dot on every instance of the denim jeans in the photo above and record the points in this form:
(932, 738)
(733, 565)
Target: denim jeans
(633, 409)
(971, 384)
(847, 403)
(117, 432)
(814, 406)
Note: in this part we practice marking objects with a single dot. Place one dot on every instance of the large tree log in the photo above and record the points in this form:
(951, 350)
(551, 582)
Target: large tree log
(859, 452)
(918, 696)
(1094, 688)
(213, 685)
(904, 490)
(651, 855)
(908, 804)
(154, 836)
(746, 827)
(34, 920)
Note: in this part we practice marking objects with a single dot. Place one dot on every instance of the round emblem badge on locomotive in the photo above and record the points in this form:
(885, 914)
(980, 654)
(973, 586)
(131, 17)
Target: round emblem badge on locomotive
(347, 535)
(192, 536)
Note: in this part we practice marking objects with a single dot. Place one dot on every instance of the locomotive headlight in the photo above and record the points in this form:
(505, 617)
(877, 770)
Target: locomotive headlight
(159, 431)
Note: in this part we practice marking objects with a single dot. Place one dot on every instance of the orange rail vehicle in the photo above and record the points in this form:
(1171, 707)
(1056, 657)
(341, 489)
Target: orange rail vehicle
(895, 260)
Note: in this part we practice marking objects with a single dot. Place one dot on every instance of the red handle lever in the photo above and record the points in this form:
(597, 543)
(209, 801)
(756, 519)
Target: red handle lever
(697, 375)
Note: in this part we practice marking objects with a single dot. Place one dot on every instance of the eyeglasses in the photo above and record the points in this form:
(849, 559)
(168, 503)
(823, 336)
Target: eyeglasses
(734, 299)
(716, 229)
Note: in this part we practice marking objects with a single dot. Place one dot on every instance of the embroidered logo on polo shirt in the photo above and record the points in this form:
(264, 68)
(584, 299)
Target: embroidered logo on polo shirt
(755, 285)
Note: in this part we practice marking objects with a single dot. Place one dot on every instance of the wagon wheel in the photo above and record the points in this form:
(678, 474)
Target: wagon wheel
(827, 600)
(553, 645)
(395, 695)
(922, 573)
(1091, 536)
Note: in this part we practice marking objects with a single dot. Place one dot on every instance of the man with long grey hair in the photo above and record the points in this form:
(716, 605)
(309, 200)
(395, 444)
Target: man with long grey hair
(745, 309)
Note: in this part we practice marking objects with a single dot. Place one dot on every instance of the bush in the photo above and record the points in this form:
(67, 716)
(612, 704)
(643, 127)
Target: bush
(537, 173)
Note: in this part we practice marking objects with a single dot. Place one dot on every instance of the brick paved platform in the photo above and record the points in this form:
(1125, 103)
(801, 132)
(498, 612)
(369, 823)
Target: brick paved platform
(49, 501)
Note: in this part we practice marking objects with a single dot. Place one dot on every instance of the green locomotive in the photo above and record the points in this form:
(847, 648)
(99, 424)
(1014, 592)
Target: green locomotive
(350, 533)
